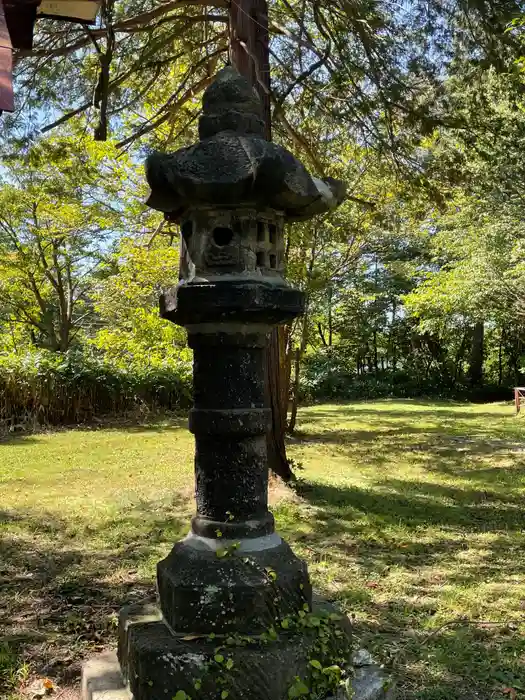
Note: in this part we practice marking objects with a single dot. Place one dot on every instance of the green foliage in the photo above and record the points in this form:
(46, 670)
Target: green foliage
(54, 219)
(80, 332)
(329, 655)
(13, 672)
(180, 695)
(45, 388)
(229, 551)
(420, 111)
(126, 302)
(326, 376)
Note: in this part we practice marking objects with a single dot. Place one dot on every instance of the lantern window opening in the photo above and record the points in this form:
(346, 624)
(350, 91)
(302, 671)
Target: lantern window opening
(222, 236)
(261, 231)
(186, 229)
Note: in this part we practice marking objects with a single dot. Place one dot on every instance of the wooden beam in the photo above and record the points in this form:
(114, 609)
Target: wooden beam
(20, 18)
(6, 65)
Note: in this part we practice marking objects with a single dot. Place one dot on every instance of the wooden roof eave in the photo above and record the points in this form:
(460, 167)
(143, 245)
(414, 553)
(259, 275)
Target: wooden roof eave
(17, 19)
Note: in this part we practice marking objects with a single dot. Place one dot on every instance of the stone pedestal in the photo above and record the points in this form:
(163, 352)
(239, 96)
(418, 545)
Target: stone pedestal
(159, 663)
(234, 614)
(217, 579)
(169, 664)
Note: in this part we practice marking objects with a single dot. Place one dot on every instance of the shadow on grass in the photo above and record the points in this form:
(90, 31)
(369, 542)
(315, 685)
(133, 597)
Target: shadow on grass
(62, 583)
(420, 408)
(422, 544)
(346, 517)
(366, 529)
(160, 423)
(13, 439)
(412, 410)
(416, 505)
(440, 441)
(153, 423)
(463, 662)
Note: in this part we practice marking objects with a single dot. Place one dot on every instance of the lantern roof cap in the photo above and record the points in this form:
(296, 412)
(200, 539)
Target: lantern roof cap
(233, 165)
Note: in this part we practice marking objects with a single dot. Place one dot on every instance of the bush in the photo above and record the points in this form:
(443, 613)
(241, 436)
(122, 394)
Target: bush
(46, 388)
(327, 377)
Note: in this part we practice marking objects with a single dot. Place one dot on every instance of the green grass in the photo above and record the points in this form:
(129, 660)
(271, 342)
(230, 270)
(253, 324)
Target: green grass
(410, 514)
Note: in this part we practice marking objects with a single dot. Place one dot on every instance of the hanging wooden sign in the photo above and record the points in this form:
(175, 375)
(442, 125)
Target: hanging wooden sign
(84, 11)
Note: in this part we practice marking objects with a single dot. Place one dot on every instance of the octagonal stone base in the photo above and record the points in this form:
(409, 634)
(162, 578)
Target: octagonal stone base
(159, 664)
(102, 678)
(207, 586)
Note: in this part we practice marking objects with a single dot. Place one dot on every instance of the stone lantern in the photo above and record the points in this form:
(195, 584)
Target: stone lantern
(232, 580)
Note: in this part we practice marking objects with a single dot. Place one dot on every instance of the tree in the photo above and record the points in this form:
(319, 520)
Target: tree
(125, 299)
(137, 73)
(418, 110)
(53, 220)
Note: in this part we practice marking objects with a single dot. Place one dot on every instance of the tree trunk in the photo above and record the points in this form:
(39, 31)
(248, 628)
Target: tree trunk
(65, 336)
(250, 55)
(517, 362)
(101, 94)
(393, 345)
(500, 358)
(277, 383)
(295, 396)
(460, 356)
(330, 320)
(476, 355)
(249, 49)
(298, 357)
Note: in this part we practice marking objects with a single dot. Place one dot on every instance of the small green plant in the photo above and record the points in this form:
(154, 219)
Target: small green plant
(227, 551)
(13, 672)
(328, 655)
(298, 689)
(272, 575)
(181, 695)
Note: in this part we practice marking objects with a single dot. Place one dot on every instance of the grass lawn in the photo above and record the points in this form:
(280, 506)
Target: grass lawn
(409, 513)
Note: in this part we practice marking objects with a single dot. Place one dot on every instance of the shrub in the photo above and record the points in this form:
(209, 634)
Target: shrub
(328, 376)
(47, 388)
